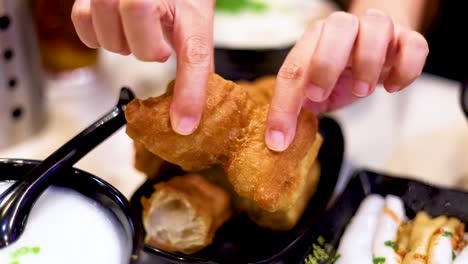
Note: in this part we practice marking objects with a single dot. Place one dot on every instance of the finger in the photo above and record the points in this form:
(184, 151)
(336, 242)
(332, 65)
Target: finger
(341, 95)
(108, 26)
(83, 23)
(193, 42)
(289, 91)
(142, 27)
(375, 34)
(409, 63)
(331, 55)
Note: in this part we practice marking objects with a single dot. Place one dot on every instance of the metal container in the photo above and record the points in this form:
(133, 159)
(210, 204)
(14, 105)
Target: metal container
(22, 112)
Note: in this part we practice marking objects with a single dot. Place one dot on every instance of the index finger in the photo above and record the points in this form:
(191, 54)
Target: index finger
(289, 91)
(193, 43)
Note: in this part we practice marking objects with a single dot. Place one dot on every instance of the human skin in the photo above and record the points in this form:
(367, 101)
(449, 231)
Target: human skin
(336, 61)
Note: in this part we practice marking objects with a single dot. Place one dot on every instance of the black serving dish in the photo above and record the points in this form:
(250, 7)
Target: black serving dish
(248, 65)
(94, 188)
(417, 196)
(241, 241)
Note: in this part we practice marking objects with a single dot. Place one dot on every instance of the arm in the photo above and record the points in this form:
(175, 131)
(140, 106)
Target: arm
(406, 13)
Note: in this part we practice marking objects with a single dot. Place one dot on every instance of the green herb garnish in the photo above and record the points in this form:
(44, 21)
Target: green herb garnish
(319, 253)
(379, 260)
(453, 255)
(392, 244)
(447, 234)
(21, 252)
(35, 250)
(335, 259)
(322, 252)
(235, 6)
(321, 240)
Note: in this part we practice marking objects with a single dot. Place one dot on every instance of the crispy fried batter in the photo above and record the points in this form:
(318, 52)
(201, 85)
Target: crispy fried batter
(184, 213)
(226, 113)
(230, 133)
(284, 220)
(145, 161)
(261, 90)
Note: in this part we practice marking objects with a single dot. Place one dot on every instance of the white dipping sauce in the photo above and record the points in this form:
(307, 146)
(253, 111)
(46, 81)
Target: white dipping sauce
(68, 228)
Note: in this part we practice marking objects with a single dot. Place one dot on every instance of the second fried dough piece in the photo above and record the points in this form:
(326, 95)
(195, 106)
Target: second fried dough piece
(231, 133)
(145, 161)
(184, 213)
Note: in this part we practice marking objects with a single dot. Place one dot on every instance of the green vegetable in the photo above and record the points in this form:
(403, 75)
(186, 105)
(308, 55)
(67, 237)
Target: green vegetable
(392, 244)
(319, 253)
(322, 252)
(379, 260)
(321, 240)
(235, 6)
(453, 255)
(335, 259)
(447, 234)
(35, 250)
(23, 251)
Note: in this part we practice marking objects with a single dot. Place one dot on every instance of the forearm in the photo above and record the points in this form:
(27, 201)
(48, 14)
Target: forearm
(407, 13)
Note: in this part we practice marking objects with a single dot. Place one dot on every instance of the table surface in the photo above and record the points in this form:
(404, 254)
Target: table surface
(419, 133)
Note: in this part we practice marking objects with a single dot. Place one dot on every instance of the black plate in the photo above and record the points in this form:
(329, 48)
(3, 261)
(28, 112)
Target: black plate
(241, 241)
(417, 196)
(94, 188)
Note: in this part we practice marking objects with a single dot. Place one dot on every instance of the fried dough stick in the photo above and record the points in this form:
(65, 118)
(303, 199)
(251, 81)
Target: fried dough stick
(231, 133)
(184, 213)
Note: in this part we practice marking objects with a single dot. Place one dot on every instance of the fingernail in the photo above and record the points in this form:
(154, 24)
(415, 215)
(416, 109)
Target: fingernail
(315, 93)
(392, 88)
(374, 12)
(185, 126)
(361, 88)
(276, 140)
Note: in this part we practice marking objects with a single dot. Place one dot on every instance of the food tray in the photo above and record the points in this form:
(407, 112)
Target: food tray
(416, 195)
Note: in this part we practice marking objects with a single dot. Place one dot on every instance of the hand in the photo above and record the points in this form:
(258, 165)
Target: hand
(339, 60)
(148, 29)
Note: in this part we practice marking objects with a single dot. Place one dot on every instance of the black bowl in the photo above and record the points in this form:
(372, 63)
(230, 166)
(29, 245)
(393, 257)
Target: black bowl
(464, 98)
(241, 241)
(94, 188)
(245, 64)
(416, 195)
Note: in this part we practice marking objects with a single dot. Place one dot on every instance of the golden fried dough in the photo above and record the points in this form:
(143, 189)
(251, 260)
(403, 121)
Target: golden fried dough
(145, 161)
(261, 90)
(226, 113)
(283, 220)
(184, 213)
(231, 133)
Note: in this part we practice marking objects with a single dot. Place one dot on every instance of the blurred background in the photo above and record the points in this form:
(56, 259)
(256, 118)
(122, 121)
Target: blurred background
(443, 27)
